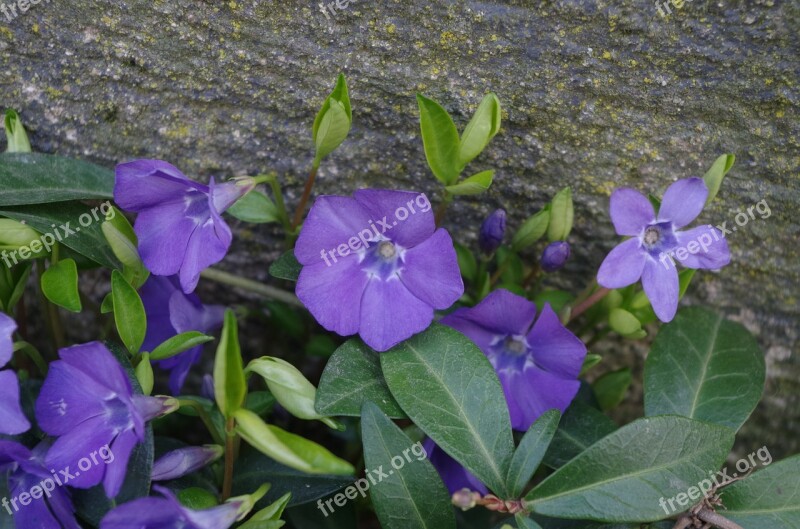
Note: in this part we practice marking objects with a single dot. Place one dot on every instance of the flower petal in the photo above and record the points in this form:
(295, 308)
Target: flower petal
(68, 398)
(163, 233)
(623, 265)
(77, 444)
(534, 391)
(96, 361)
(461, 321)
(7, 328)
(116, 469)
(333, 294)
(143, 184)
(709, 245)
(502, 312)
(554, 348)
(208, 244)
(142, 513)
(156, 293)
(683, 201)
(431, 273)
(631, 211)
(332, 221)
(390, 314)
(409, 215)
(12, 418)
(660, 282)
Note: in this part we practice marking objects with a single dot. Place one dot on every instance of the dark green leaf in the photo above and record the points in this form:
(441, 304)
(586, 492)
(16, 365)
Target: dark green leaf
(440, 140)
(531, 450)
(129, 312)
(286, 267)
(580, 427)
(610, 388)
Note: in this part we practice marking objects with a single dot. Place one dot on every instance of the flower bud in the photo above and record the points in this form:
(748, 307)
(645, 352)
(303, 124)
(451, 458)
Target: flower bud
(555, 255)
(492, 231)
(465, 499)
(15, 133)
(183, 461)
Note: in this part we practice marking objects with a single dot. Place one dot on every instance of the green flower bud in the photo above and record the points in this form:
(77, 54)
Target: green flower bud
(561, 213)
(15, 133)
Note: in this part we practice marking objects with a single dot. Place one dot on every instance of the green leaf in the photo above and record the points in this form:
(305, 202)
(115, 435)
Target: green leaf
(412, 495)
(466, 262)
(255, 207)
(144, 374)
(286, 267)
(333, 129)
(622, 477)
(118, 235)
(580, 427)
(353, 376)
(623, 322)
(768, 499)
(561, 214)
(449, 389)
(178, 344)
(704, 367)
(589, 362)
(714, 176)
(230, 386)
(531, 450)
(523, 522)
(531, 230)
(16, 137)
(483, 126)
(684, 280)
(474, 185)
(610, 388)
(12, 285)
(440, 140)
(62, 224)
(339, 93)
(288, 448)
(60, 285)
(129, 313)
(34, 178)
(270, 516)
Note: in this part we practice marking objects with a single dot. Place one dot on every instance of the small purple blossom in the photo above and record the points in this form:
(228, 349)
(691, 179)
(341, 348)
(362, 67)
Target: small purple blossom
(12, 418)
(87, 402)
(648, 254)
(183, 461)
(369, 268)
(179, 226)
(554, 256)
(169, 312)
(168, 513)
(492, 231)
(53, 508)
(453, 474)
(537, 363)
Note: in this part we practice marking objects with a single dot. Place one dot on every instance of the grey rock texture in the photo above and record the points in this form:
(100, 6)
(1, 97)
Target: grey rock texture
(595, 94)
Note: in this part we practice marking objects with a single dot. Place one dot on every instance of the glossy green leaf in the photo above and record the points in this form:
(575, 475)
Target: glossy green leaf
(255, 207)
(270, 516)
(531, 230)
(230, 386)
(35, 178)
(60, 285)
(16, 136)
(580, 427)
(440, 140)
(286, 267)
(448, 388)
(704, 367)
(767, 499)
(144, 374)
(351, 377)
(118, 235)
(610, 389)
(178, 344)
(622, 477)
(474, 185)
(561, 215)
(129, 312)
(531, 450)
(412, 495)
(483, 126)
(714, 176)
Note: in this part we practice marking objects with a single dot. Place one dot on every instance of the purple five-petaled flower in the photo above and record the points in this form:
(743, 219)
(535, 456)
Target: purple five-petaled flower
(48, 505)
(538, 363)
(179, 223)
(376, 265)
(169, 312)
(87, 402)
(12, 419)
(655, 242)
(168, 513)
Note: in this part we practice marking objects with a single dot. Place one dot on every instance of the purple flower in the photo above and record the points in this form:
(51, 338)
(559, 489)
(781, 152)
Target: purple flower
(376, 265)
(554, 256)
(537, 363)
(454, 475)
(87, 402)
(168, 513)
(12, 419)
(48, 505)
(179, 226)
(182, 461)
(492, 230)
(169, 312)
(654, 241)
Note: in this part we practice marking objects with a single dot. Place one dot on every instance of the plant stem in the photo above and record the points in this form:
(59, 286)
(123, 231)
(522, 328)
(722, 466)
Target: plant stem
(252, 286)
(588, 302)
(301, 207)
(707, 515)
(230, 444)
(442, 209)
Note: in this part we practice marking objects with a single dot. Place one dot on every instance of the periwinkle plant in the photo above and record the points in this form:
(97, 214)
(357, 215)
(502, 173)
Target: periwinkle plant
(465, 342)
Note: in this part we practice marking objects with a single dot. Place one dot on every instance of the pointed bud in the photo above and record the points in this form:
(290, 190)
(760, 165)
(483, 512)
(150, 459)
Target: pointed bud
(155, 407)
(492, 231)
(15, 133)
(183, 461)
(224, 195)
(248, 501)
(555, 255)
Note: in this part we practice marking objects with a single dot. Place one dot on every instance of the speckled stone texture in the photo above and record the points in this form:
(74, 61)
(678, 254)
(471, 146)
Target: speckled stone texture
(595, 94)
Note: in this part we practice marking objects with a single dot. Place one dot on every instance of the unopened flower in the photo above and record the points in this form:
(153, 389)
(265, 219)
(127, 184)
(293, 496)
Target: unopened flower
(12, 419)
(655, 241)
(537, 363)
(168, 513)
(169, 312)
(179, 226)
(554, 256)
(376, 265)
(183, 461)
(87, 402)
(492, 231)
(25, 470)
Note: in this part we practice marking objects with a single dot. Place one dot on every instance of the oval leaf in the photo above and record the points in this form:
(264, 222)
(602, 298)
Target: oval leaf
(255, 207)
(129, 313)
(474, 185)
(483, 126)
(230, 386)
(60, 285)
(440, 140)
(286, 267)
(531, 450)
(178, 344)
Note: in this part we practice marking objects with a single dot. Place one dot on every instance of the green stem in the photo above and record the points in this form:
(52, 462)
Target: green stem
(301, 207)
(447, 197)
(253, 286)
(33, 354)
(278, 196)
(230, 448)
